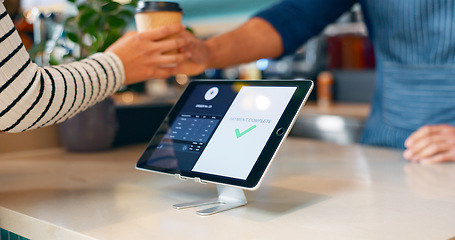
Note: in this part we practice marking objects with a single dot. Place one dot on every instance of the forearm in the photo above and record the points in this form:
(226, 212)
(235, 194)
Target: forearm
(54, 94)
(32, 97)
(253, 40)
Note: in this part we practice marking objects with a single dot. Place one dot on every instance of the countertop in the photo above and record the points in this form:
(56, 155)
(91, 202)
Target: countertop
(313, 190)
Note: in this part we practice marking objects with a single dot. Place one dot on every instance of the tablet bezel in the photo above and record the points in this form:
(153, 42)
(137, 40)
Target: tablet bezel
(252, 182)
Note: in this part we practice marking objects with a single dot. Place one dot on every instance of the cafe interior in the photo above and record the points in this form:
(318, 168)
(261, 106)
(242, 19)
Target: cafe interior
(79, 180)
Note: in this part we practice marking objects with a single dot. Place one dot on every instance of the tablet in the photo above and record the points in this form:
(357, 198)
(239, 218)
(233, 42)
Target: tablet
(225, 131)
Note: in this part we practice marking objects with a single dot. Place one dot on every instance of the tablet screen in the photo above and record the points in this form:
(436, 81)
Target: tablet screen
(221, 131)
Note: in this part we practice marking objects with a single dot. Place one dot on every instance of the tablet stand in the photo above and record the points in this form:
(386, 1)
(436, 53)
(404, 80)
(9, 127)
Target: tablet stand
(228, 198)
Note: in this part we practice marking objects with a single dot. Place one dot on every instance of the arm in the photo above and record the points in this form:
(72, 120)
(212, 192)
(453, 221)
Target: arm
(273, 32)
(244, 44)
(255, 39)
(32, 97)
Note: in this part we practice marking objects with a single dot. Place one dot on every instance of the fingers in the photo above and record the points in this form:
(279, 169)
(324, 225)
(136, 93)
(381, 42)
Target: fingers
(438, 158)
(429, 150)
(192, 40)
(422, 142)
(146, 55)
(421, 133)
(161, 65)
(174, 58)
(425, 147)
(129, 33)
(431, 144)
(168, 61)
(170, 44)
(162, 32)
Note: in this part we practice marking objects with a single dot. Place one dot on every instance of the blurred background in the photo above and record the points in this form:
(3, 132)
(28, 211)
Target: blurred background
(342, 52)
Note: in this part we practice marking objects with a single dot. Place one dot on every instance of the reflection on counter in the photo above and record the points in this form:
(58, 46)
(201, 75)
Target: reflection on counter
(330, 128)
(431, 181)
(340, 123)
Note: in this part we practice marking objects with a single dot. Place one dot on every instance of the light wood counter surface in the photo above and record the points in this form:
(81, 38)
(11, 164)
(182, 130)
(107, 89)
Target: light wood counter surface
(314, 190)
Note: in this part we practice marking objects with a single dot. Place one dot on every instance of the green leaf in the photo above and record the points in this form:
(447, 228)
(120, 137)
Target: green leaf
(84, 7)
(102, 2)
(101, 22)
(115, 21)
(73, 37)
(109, 7)
(86, 18)
(125, 14)
(95, 21)
(37, 49)
(110, 39)
(133, 3)
(70, 22)
(189, 29)
(68, 56)
(53, 61)
(69, 19)
(91, 30)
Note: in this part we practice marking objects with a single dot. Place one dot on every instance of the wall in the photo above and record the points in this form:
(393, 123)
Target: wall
(209, 18)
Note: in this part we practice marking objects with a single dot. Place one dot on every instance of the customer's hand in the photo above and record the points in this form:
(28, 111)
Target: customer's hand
(431, 144)
(199, 59)
(142, 53)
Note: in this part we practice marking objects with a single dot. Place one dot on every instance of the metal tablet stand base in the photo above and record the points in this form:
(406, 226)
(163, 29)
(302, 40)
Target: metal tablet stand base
(228, 198)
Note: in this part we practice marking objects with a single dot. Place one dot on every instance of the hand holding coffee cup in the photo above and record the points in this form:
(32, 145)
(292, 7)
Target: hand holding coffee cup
(153, 14)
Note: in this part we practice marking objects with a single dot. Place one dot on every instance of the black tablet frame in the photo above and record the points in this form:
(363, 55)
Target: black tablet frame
(281, 130)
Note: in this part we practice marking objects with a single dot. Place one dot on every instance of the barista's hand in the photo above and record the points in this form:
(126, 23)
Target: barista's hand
(142, 53)
(200, 55)
(431, 144)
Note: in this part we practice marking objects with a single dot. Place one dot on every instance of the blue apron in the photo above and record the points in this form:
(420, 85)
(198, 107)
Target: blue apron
(415, 61)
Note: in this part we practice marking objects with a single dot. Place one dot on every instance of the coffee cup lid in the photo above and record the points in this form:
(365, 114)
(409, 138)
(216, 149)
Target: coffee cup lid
(152, 6)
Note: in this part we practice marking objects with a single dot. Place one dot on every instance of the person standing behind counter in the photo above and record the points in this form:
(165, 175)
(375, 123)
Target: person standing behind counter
(414, 41)
(33, 97)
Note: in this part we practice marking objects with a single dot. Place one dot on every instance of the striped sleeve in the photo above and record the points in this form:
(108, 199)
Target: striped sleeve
(33, 97)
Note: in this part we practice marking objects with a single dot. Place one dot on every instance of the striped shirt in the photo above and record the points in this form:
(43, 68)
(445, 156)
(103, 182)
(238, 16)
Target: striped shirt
(33, 97)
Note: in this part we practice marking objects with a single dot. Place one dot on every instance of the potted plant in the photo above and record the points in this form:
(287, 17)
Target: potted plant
(98, 24)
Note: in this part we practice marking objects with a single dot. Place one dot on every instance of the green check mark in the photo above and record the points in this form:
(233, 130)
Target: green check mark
(239, 134)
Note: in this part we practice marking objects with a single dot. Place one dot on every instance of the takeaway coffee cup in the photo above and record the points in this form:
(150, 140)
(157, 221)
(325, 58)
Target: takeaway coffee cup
(153, 14)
